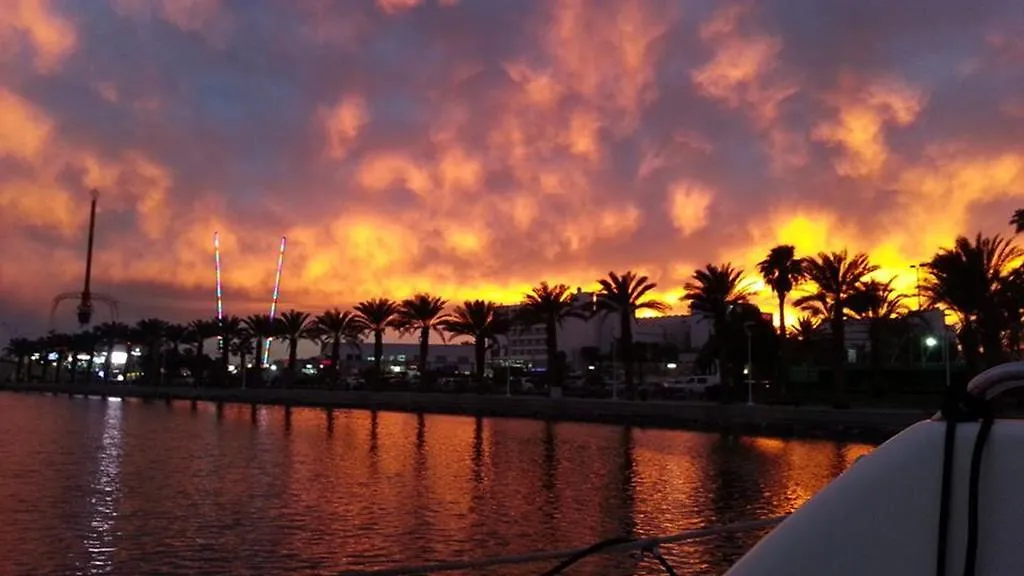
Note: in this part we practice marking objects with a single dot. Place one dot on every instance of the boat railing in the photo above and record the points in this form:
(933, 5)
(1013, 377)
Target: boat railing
(649, 546)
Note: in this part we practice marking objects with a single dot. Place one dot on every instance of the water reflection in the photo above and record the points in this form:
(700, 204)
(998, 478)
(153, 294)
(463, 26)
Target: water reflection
(231, 488)
(99, 541)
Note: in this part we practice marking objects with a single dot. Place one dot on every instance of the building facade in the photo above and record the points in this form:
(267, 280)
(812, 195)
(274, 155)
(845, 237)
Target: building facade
(402, 357)
(525, 346)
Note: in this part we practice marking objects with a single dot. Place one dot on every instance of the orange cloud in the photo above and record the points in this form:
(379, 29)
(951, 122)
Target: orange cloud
(744, 74)
(863, 115)
(342, 123)
(471, 154)
(688, 204)
(51, 36)
(393, 6)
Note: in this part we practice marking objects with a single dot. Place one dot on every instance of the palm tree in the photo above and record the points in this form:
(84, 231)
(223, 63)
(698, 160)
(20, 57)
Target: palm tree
(806, 328)
(482, 321)
(151, 333)
(242, 347)
(714, 291)
(338, 326)
(20, 349)
(623, 296)
(836, 277)
(880, 306)
(974, 279)
(294, 326)
(422, 314)
(83, 342)
(550, 306)
(378, 314)
(228, 329)
(199, 331)
(109, 334)
(59, 343)
(782, 271)
(262, 327)
(1017, 220)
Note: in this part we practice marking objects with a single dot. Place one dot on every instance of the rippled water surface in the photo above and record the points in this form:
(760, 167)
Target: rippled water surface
(94, 486)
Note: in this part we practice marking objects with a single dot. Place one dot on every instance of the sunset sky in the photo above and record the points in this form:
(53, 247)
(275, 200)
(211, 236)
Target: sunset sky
(473, 148)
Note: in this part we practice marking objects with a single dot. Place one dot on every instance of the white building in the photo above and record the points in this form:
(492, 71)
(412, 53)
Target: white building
(401, 357)
(526, 345)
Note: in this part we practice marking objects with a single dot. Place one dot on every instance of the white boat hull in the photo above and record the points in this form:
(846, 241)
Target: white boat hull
(881, 517)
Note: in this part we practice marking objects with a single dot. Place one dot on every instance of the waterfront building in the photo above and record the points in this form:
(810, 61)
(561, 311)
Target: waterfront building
(400, 357)
(581, 339)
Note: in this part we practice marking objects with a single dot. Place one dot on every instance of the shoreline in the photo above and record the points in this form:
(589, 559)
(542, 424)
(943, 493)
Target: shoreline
(874, 425)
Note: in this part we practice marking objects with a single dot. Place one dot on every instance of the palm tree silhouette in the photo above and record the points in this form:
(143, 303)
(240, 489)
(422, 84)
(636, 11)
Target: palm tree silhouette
(378, 314)
(550, 306)
(109, 335)
(262, 327)
(806, 328)
(20, 349)
(836, 277)
(1017, 220)
(243, 346)
(714, 291)
(199, 331)
(228, 329)
(338, 326)
(151, 334)
(974, 279)
(880, 305)
(483, 322)
(782, 271)
(294, 326)
(422, 314)
(623, 296)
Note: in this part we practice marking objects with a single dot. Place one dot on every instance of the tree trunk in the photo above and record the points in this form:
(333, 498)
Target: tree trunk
(293, 354)
(108, 363)
(724, 374)
(225, 357)
(626, 351)
(480, 348)
(783, 368)
(839, 360)
(551, 342)
(378, 351)
(875, 341)
(18, 368)
(200, 362)
(969, 342)
(424, 350)
(335, 359)
(242, 367)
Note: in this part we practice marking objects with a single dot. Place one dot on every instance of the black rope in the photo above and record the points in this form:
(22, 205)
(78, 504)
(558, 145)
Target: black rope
(656, 554)
(961, 408)
(947, 472)
(609, 543)
(971, 556)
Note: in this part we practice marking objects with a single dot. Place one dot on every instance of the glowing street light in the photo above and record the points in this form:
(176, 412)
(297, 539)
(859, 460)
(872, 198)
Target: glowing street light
(931, 341)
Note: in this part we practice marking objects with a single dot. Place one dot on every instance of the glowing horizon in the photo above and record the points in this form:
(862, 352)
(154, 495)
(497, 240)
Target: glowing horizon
(473, 149)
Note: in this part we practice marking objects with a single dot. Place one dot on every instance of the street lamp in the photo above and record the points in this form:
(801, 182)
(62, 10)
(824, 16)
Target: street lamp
(750, 363)
(932, 341)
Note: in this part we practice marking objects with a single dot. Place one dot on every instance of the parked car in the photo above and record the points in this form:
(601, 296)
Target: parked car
(692, 387)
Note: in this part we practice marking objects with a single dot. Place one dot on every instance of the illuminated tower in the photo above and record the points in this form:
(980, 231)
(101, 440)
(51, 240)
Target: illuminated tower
(277, 293)
(220, 293)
